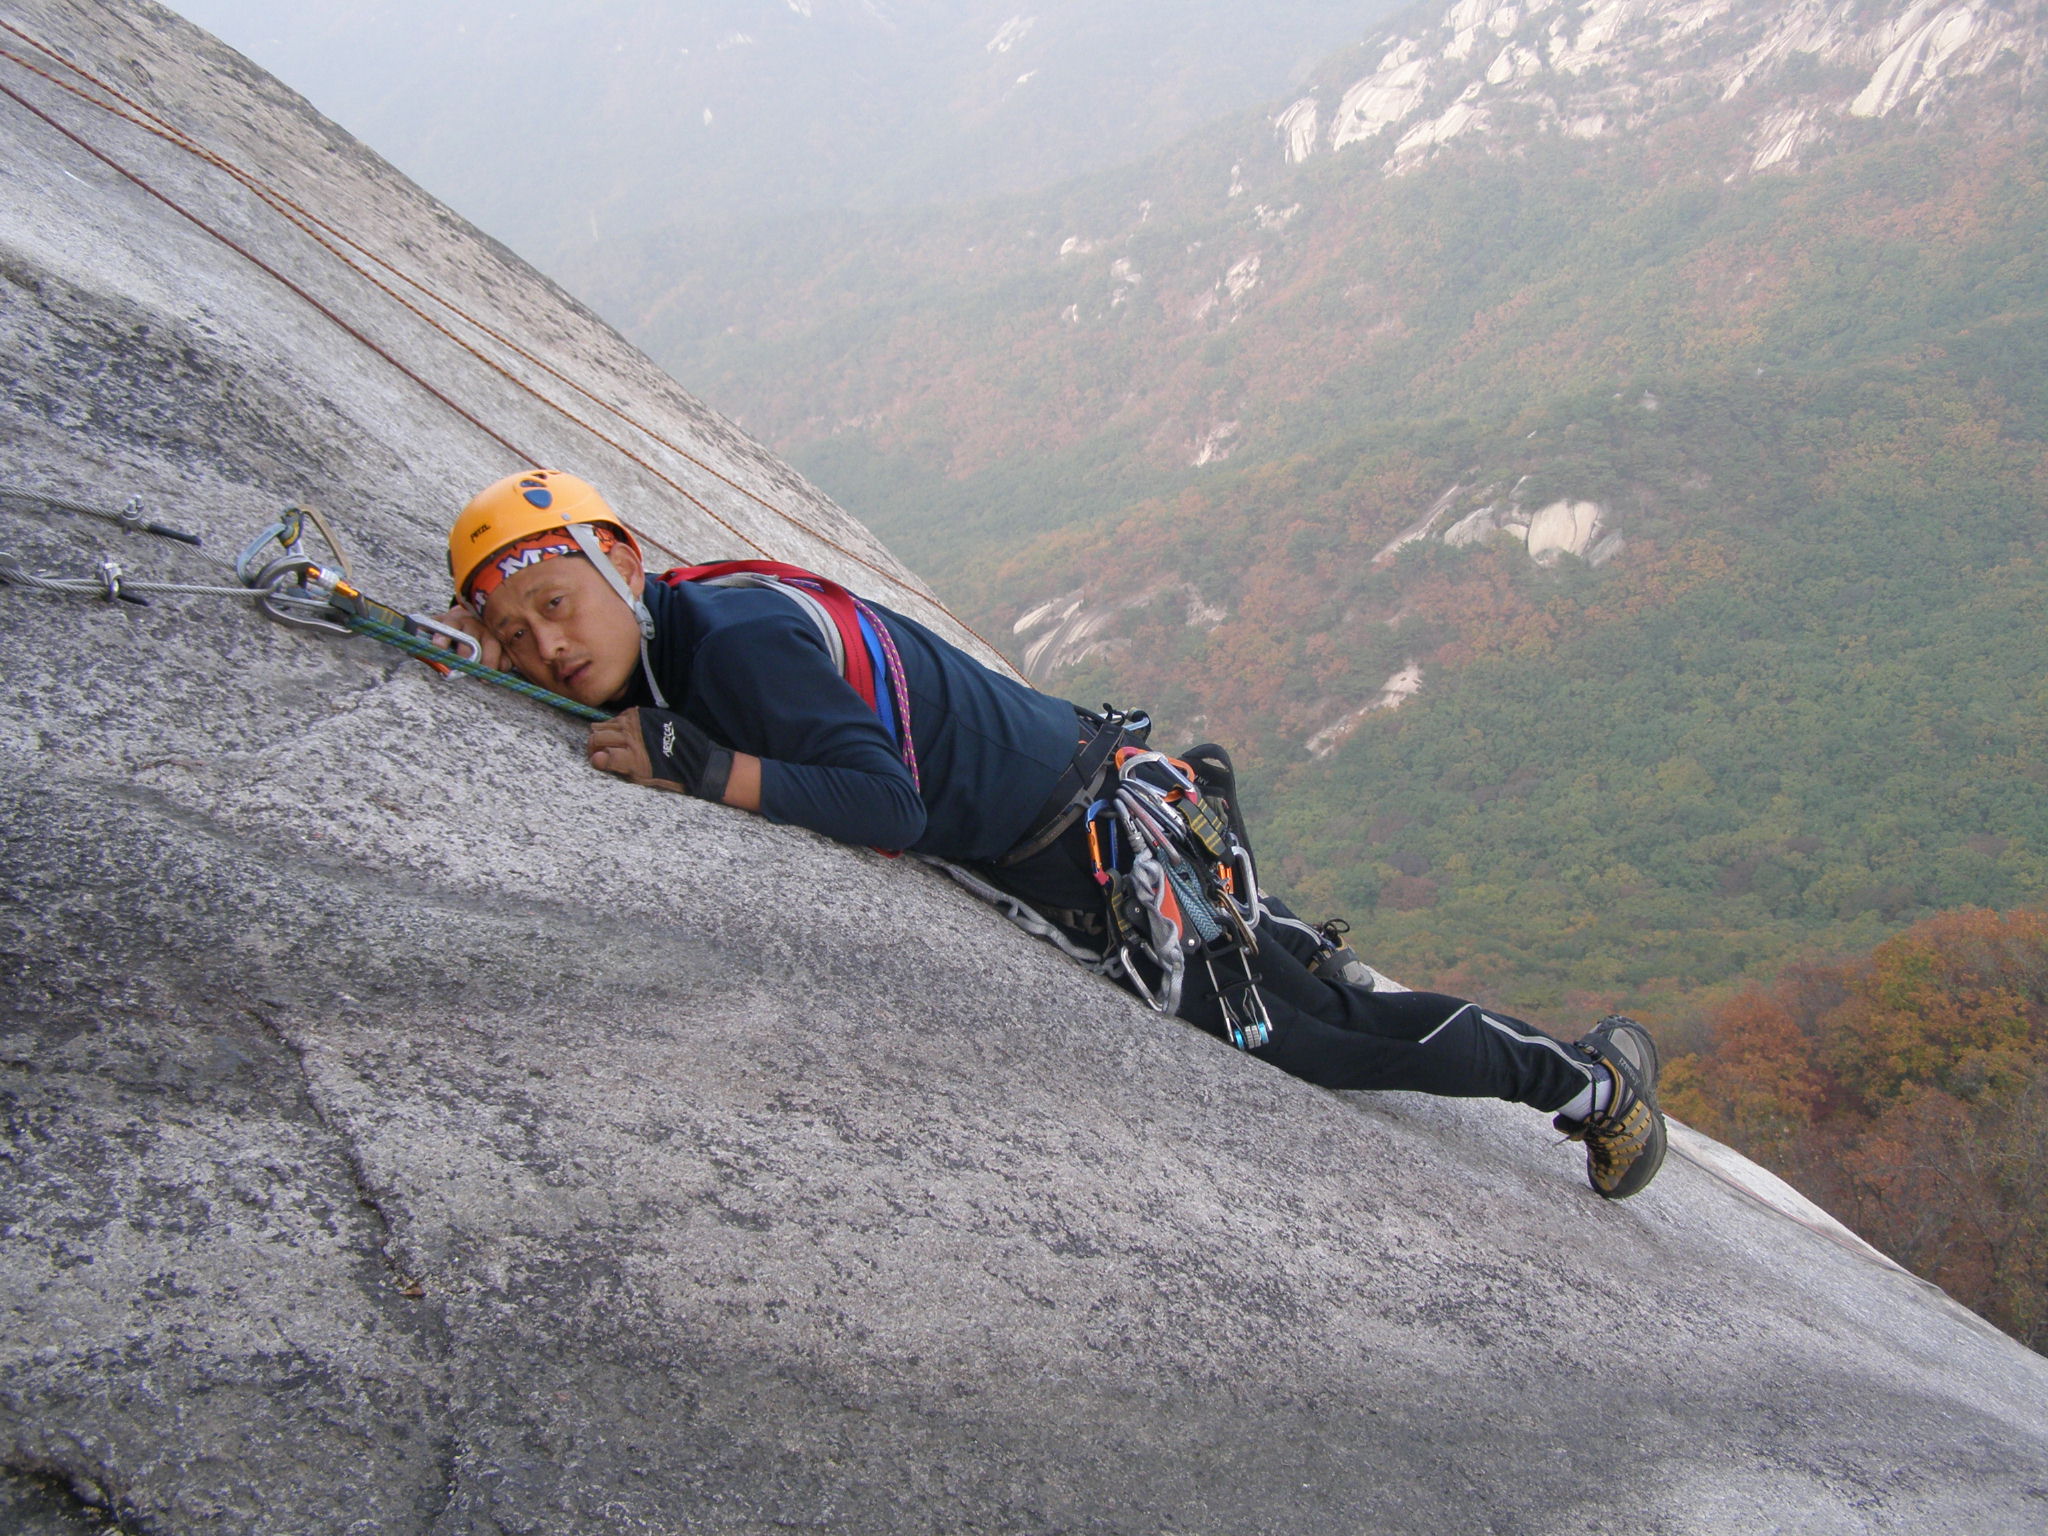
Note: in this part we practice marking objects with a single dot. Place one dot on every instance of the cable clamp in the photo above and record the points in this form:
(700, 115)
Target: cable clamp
(108, 572)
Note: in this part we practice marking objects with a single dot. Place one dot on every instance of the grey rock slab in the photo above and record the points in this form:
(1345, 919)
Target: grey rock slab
(410, 1130)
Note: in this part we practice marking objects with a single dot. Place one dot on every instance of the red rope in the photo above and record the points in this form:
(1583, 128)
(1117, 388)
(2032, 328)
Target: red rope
(263, 266)
(316, 228)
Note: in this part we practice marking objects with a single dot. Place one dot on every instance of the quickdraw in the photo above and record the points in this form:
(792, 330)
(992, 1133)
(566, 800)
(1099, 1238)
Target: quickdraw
(1180, 888)
(286, 582)
(299, 590)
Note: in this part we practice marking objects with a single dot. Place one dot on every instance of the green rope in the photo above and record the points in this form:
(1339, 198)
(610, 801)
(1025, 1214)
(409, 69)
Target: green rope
(110, 583)
(426, 650)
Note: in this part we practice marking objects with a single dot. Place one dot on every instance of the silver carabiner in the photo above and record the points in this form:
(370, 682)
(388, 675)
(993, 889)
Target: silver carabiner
(285, 533)
(468, 647)
(1254, 910)
(291, 588)
(1155, 1000)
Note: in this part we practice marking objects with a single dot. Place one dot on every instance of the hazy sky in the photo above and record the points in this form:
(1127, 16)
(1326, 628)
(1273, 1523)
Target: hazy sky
(568, 120)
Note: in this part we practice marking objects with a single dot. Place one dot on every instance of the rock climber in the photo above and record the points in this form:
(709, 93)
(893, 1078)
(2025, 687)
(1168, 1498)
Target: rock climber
(790, 700)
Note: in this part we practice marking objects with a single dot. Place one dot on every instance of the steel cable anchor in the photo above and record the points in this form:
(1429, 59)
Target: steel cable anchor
(299, 590)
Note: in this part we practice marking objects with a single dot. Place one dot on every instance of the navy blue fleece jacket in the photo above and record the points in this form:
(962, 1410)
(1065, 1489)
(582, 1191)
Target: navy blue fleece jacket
(750, 668)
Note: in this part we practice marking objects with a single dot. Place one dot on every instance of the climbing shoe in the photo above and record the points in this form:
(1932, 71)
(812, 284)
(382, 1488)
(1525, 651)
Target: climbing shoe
(1338, 961)
(1624, 1141)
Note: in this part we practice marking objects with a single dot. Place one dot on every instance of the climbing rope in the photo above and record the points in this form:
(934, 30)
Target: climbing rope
(416, 645)
(327, 236)
(256, 261)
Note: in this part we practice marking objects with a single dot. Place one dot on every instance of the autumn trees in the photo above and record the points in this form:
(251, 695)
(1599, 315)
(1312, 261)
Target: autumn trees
(1908, 1092)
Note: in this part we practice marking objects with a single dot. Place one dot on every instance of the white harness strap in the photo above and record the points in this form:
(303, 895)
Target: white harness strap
(827, 630)
(593, 551)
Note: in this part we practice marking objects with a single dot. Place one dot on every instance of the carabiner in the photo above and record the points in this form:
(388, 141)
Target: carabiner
(468, 647)
(294, 589)
(285, 533)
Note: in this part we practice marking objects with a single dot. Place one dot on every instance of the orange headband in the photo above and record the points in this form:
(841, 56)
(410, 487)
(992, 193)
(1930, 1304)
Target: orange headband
(514, 558)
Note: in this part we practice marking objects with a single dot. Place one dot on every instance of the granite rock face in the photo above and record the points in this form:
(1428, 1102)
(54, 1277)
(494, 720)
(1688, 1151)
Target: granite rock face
(409, 1130)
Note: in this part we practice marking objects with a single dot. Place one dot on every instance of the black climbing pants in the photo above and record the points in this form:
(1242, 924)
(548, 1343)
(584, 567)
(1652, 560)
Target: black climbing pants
(1332, 1033)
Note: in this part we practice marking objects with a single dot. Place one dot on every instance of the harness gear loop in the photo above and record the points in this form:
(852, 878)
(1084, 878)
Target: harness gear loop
(1179, 884)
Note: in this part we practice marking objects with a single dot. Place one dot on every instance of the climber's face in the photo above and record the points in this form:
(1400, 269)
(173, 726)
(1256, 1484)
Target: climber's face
(563, 626)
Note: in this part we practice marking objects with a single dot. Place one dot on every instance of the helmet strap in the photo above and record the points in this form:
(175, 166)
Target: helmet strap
(593, 551)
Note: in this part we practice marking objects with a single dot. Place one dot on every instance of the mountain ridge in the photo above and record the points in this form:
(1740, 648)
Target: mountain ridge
(1609, 67)
(1354, 385)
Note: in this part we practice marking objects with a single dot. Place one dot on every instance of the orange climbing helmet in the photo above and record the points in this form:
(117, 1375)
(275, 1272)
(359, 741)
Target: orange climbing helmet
(519, 508)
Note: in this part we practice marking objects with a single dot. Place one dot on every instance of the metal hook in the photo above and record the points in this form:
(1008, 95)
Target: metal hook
(468, 647)
(291, 592)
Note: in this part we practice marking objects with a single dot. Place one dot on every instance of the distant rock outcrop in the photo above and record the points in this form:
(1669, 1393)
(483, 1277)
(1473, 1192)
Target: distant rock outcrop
(1500, 69)
(411, 1131)
(1550, 532)
(1396, 691)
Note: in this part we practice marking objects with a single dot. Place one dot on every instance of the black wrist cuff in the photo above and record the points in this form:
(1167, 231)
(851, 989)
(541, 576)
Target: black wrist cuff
(711, 782)
(680, 753)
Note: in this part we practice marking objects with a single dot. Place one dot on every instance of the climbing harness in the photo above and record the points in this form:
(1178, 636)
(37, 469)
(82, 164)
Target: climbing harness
(1180, 887)
(276, 571)
(1078, 787)
(1173, 863)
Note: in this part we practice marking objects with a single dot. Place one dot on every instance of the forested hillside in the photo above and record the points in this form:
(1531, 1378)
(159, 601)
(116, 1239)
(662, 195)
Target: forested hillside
(1616, 557)
(1908, 1091)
